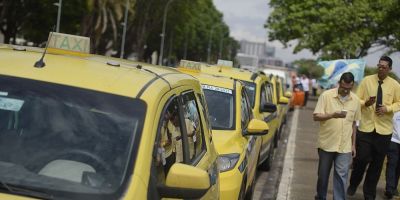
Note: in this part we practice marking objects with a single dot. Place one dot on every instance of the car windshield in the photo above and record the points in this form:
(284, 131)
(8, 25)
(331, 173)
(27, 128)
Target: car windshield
(220, 106)
(66, 141)
(251, 91)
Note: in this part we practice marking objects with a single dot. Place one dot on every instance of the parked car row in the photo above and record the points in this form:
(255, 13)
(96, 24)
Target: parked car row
(80, 126)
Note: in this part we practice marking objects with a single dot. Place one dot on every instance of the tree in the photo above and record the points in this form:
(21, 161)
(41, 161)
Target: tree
(309, 67)
(337, 29)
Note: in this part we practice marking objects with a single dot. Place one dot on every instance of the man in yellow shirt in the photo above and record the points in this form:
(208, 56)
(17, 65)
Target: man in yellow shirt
(337, 110)
(380, 97)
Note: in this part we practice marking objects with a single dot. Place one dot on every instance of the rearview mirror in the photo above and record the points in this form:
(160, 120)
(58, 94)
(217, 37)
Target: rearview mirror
(180, 184)
(257, 127)
(283, 100)
(268, 107)
(288, 94)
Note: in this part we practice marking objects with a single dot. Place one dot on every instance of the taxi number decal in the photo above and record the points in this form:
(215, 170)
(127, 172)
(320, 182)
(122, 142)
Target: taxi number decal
(10, 104)
(218, 89)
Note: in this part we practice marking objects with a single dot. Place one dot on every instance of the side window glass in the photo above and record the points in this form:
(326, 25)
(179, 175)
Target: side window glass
(244, 110)
(169, 141)
(270, 92)
(263, 97)
(278, 91)
(203, 105)
(193, 125)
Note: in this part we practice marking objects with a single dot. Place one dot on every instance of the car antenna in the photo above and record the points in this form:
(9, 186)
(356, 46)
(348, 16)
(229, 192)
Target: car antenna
(40, 63)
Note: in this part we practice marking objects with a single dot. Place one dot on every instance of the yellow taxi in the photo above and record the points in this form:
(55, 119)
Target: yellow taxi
(260, 92)
(235, 131)
(80, 126)
(280, 100)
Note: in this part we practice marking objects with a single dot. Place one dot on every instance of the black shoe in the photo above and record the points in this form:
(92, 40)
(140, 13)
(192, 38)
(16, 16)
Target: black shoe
(388, 194)
(351, 190)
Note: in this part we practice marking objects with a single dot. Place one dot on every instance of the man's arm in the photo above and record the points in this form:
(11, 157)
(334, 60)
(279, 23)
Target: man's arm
(327, 116)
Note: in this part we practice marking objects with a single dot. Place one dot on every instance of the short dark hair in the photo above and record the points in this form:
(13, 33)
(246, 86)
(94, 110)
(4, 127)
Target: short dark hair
(388, 59)
(347, 77)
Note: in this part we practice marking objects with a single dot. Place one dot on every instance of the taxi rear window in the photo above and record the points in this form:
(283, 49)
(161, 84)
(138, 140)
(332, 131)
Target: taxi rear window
(221, 107)
(67, 141)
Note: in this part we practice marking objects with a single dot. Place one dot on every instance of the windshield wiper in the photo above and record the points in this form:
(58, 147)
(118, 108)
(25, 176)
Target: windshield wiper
(24, 192)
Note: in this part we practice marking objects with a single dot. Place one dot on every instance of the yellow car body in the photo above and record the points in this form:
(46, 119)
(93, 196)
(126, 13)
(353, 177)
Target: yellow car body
(260, 91)
(228, 103)
(91, 127)
(280, 100)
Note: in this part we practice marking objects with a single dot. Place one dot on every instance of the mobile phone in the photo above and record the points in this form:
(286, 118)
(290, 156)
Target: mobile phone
(344, 112)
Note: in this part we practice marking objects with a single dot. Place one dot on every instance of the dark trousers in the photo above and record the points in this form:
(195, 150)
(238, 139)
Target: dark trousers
(393, 167)
(314, 92)
(306, 93)
(371, 150)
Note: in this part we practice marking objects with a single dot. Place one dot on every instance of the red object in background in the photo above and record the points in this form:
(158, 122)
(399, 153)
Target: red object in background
(298, 98)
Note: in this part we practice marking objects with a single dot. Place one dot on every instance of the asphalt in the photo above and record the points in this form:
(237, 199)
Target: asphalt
(293, 175)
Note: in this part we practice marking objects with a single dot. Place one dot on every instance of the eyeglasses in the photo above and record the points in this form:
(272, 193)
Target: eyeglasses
(382, 66)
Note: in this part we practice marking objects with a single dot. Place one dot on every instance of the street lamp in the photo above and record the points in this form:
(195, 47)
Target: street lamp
(209, 42)
(163, 32)
(124, 31)
(59, 4)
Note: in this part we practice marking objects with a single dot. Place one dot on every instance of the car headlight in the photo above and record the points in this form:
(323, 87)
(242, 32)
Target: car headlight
(227, 161)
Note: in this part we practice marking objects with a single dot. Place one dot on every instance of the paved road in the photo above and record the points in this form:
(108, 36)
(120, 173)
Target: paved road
(293, 173)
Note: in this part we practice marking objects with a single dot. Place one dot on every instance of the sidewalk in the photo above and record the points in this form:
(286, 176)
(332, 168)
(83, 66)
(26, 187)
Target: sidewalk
(299, 174)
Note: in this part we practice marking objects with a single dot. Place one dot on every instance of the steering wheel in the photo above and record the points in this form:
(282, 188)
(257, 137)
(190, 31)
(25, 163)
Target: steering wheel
(78, 155)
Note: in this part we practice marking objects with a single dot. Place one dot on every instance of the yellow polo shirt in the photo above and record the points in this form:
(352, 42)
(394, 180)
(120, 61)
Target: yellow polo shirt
(335, 134)
(390, 98)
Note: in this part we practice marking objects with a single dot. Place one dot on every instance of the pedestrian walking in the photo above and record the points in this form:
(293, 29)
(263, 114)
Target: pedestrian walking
(314, 86)
(380, 97)
(393, 160)
(305, 82)
(337, 110)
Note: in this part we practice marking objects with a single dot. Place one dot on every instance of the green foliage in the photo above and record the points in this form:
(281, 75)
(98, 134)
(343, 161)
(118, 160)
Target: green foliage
(309, 67)
(337, 28)
(188, 27)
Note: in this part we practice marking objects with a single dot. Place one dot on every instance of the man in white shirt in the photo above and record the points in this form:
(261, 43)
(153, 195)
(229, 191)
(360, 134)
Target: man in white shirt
(305, 82)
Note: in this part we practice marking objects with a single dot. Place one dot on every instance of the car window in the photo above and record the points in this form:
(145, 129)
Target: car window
(251, 91)
(220, 104)
(278, 91)
(193, 126)
(245, 110)
(270, 91)
(168, 148)
(72, 142)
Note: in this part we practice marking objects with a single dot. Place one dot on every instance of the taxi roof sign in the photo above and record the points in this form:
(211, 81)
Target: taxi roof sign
(225, 63)
(67, 44)
(191, 65)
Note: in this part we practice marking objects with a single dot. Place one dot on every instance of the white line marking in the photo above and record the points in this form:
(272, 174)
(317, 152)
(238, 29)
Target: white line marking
(287, 172)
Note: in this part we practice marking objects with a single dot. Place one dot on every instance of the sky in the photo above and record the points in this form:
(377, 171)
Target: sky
(246, 19)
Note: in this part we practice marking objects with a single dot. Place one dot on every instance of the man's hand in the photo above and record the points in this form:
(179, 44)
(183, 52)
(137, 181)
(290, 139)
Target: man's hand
(353, 151)
(370, 101)
(338, 114)
(381, 110)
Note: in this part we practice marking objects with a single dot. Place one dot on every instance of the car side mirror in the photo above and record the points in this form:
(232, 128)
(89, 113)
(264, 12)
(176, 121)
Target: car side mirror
(288, 94)
(283, 100)
(257, 127)
(180, 185)
(268, 107)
